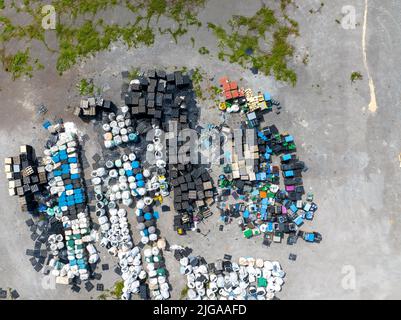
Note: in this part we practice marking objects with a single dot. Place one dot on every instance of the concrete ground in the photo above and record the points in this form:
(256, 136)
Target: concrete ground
(351, 152)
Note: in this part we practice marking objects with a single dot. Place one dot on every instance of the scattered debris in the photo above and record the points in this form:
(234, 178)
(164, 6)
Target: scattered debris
(249, 279)
(250, 176)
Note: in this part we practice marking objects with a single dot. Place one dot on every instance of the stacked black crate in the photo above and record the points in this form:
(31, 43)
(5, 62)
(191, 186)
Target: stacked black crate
(26, 175)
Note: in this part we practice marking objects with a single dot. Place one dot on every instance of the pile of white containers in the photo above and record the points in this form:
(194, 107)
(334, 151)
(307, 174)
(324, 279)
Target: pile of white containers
(56, 242)
(158, 285)
(249, 279)
(119, 129)
(121, 183)
(119, 234)
(132, 271)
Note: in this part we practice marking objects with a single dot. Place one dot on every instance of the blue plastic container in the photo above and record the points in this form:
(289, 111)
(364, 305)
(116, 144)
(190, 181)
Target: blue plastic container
(288, 173)
(289, 139)
(298, 220)
(46, 124)
(56, 158)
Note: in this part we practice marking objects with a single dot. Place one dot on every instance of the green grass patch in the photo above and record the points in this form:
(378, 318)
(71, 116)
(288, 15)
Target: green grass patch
(134, 73)
(18, 64)
(184, 293)
(117, 290)
(197, 78)
(86, 87)
(356, 75)
(242, 44)
(104, 295)
(81, 34)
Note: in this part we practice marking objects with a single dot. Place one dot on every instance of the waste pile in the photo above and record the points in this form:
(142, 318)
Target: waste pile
(118, 183)
(119, 129)
(26, 177)
(158, 282)
(155, 103)
(88, 108)
(234, 98)
(133, 273)
(40, 190)
(168, 99)
(193, 194)
(249, 279)
(244, 100)
(250, 176)
(68, 205)
(123, 181)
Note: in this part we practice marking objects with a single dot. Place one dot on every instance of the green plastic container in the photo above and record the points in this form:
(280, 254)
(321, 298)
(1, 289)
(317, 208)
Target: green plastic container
(262, 282)
(248, 233)
(161, 272)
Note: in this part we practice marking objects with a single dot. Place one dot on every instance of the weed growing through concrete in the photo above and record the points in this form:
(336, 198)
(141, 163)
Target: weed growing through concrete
(134, 73)
(18, 64)
(242, 44)
(356, 75)
(81, 33)
(197, 78)
(117, 291)
(86, 87)
(184, 293)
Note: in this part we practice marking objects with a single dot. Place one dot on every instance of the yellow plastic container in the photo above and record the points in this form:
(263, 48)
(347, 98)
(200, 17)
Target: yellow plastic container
(222, 106)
